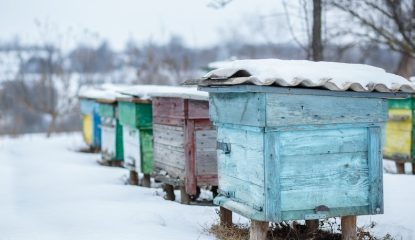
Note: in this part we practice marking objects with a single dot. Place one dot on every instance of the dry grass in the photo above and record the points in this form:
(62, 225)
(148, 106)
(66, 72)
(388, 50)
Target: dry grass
(329, 230)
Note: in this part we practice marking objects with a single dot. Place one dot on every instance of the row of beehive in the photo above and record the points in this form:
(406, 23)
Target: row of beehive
(336, 154)
(169, 136)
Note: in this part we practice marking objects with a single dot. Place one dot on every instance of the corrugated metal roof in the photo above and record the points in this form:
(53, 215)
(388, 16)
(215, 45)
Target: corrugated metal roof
(149, 91)
(302, 73)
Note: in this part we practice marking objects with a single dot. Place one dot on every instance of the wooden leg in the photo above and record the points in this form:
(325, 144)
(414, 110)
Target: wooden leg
(185, 198)
(348, 224)
(225, 217)
(214, 191)
(146, 181)
(311, 225)
(258, 230)
(133, 177)
(116, 163)
(400, 167)
(413, 168)
(169, 189)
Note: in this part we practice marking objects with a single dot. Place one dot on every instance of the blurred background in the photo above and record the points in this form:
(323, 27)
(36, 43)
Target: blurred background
(50, 49)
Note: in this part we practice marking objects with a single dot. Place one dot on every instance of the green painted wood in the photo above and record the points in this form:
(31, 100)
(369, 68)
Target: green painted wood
(106, 110)
(119, 146)
(146, 144)
(407, 103)
(285, 110)
(135, 115)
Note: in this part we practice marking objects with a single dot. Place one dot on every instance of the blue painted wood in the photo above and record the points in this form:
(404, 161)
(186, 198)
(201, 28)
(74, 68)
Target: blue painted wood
(244, 109)
(286, 110)
(96, 141)
(283, 169)
(87, 106)
(272, 176)
(300, 91)
(376, 170)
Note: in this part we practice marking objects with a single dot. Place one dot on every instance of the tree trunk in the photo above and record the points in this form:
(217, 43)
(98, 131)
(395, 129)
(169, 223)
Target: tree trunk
(316, 42)
(405, 66)
(52, 125)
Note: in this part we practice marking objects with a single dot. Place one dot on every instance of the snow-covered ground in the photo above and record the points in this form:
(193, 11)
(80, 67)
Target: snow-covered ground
(48, 190)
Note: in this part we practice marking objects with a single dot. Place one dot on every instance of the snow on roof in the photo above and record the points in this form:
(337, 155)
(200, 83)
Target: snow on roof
(149, 91)
(290, 73)
(105, 92)
(412, 79)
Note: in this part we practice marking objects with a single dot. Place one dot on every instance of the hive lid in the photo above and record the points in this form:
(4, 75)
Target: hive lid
(107, 93)
(301, 73)
(149, 91)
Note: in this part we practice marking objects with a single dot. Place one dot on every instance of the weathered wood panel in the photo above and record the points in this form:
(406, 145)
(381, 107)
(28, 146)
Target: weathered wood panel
(407, 103)
(285, 110)
(198, 109)
(106, 110)
(169, 153)
(169, 135)
(108, 140)
(169, 107)
(87, 106)
(323, 141)
(375, 170)
(331, 161)
(245, 160)
(242, 108)
(96, 130)
(135, 114)
(146, 145)
(399, 134)
(206, 159)
(132, 150)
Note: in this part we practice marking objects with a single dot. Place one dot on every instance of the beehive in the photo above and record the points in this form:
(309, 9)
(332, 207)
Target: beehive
(300, 153)
(90, 122)
(184, 140)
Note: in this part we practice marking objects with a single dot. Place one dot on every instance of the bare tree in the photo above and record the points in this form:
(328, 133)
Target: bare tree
(390, 23)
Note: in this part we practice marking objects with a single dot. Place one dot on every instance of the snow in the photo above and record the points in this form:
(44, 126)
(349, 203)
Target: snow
(49, 190)
(288, 73)
(412, 79)
(149, 91)
(107, 91)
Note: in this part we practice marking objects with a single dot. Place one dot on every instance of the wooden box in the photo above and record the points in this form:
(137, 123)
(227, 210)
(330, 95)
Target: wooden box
(111, 133)
(135, 117)
(399, 144)
(90, 122)
(184, 142)
(286, 153)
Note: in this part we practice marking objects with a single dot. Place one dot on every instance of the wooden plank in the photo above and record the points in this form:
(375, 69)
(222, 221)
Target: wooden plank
(168, 121)
(169, 135)
(169, 160)
(343, 177)
(87, 128)
(376, 171)
(285, 110)
(240, 208)
(334, 212)
(106, 110)
(400, 103)
(323, 141)
(206, 156)
(108, 139)
(241, 191)
(132, 154)
(246, 158)
(272, 171)
(242, 108)
(198, 109)
(300, 91)
(190, 157)
(169, 107)
(207, 180)
(146, 145)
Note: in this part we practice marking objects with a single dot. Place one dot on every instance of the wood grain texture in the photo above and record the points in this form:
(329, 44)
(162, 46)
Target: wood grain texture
(285, 110)
(241, 108)
(198, 109)
(132, 150)
(168, 107)
(272, 166)
(376, 170)
(258, 230)
(206, 158)
(146, 145)
(190, 157)
(136, 115)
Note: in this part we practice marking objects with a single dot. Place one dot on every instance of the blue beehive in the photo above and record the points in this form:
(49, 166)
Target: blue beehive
(90, 122)
(297, 153)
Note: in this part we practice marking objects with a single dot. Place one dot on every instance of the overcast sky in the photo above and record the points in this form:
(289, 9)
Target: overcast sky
(119, 20)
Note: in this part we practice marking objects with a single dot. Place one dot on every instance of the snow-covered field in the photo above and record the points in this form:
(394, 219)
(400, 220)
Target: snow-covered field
(48, 190)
